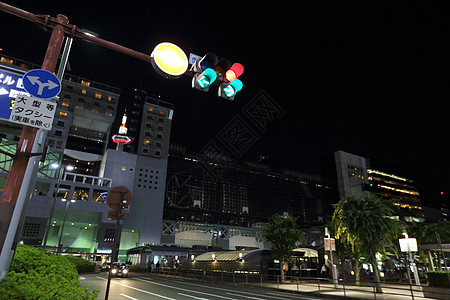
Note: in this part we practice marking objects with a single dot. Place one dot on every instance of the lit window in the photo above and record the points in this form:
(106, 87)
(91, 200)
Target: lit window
(63, 114)
(83, 92)
(79, 106)
(65, 104)
(110, 98)
(85, 83)
(6, 60)
(98, 96)
(108, 114)
(162, 112)
(146, 142)
(150, 109)
(94, 110)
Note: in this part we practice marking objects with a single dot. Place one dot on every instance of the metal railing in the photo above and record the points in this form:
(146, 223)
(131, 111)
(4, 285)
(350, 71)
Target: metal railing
(312, 285)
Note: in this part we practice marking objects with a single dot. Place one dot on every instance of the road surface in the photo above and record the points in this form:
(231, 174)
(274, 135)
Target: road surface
(140, 287)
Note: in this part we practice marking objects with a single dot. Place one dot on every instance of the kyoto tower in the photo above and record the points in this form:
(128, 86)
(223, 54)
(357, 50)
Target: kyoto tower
(121, 138)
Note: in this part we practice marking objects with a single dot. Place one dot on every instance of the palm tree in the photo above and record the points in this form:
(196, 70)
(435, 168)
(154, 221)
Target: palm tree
(367, 224)
(283, 233)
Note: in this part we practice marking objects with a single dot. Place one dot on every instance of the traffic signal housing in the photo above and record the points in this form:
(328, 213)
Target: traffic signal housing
(209, 69)
(204, 73)
(231, 85)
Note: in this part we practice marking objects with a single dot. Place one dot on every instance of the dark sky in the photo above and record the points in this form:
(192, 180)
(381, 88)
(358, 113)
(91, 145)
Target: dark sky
(370, 80)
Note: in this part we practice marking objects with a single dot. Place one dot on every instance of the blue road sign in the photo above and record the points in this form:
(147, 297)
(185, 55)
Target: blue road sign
(10, 87)
(41, 84)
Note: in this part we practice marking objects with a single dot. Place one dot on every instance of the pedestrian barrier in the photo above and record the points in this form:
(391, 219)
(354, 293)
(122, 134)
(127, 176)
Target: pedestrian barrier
(311, 285)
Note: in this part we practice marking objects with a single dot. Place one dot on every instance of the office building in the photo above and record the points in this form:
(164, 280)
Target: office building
(80, 137)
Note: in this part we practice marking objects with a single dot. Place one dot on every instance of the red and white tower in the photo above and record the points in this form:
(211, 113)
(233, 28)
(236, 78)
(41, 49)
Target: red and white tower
(122, 138)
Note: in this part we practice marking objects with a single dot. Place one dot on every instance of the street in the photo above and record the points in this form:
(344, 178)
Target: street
(140, 287)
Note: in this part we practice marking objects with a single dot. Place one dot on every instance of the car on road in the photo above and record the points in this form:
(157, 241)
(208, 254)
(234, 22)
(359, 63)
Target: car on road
(119, 270)
(105, 267)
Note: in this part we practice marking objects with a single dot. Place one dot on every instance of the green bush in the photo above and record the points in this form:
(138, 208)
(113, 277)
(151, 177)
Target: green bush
(81, 264)
(38, 274)
(437, 279)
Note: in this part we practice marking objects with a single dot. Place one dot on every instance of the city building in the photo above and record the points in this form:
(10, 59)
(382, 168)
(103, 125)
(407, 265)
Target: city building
(219, 203)
(193, 200)
(357, 175)
(71, 204)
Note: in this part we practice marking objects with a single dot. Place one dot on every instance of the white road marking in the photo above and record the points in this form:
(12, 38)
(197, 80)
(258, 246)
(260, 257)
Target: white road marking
(192, 297)
(226, 290)
(186, 290)
(248, 297)
(81, 278)
(129, 297)
(133, 288)
(284, 296)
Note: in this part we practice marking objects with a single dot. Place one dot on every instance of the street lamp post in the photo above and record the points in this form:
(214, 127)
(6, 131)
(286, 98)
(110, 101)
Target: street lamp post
(58, 250)
(409, 245)
(56, 193)
(333, 266)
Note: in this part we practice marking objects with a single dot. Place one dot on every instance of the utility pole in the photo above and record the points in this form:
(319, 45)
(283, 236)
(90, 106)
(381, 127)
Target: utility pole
(23, 153)
(14, 195)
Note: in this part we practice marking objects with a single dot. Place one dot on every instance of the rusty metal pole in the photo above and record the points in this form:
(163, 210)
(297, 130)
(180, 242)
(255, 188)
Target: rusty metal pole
(21, 158)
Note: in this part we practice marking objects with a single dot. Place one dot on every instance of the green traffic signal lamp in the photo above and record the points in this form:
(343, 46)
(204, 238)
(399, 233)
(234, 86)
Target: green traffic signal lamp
(206, 78)
(228, 91)
(203, 80)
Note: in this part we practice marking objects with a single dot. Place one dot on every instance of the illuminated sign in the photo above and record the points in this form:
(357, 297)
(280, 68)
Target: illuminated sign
(11, 85)
(169, 60)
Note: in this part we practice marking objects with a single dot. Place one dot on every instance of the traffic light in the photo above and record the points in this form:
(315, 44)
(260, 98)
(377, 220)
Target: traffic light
(204, 74)
(231, 84)
(210, 69)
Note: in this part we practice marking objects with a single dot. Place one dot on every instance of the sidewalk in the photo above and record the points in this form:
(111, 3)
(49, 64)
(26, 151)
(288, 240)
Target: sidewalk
(395, 292)
(326, 289)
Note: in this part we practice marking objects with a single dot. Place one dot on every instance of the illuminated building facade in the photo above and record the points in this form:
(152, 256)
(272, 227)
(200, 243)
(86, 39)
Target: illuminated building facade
(356, 176)
(81, 136)
(214, 202)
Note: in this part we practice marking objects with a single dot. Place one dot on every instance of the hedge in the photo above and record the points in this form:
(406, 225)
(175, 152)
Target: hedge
(81, 264)
(38, 274)
(437, 279)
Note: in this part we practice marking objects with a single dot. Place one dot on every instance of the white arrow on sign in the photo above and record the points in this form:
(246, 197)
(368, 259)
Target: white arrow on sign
(3, 91)
(35, 80)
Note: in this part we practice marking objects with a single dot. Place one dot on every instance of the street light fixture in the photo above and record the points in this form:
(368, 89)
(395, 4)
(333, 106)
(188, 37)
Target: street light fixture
(58, 250)
(409, 245)
(330, 241)
(56, 193)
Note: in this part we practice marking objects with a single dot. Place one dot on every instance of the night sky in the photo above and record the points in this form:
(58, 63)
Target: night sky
(369, 80)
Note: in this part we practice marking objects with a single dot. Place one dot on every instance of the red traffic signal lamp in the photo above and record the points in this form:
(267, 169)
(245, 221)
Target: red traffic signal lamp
(231, 84)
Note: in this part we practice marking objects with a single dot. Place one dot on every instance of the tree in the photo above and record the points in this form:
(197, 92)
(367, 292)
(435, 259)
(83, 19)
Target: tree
(283, 233)
(367, 225)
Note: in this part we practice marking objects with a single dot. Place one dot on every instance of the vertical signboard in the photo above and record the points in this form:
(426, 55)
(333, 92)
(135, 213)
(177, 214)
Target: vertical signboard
(11, 85)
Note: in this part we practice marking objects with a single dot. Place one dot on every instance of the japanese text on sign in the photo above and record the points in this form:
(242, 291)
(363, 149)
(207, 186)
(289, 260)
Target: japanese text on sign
(34, 112)
(11, 85)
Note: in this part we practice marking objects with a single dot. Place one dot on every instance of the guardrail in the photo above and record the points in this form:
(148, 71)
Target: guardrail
(313, 285)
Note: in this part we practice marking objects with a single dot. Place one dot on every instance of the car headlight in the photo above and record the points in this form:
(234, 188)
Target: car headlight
(125, 271)
(113, 271)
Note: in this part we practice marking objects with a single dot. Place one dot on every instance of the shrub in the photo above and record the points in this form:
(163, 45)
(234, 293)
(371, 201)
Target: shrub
(437, 279)
(38, 274)
(81, 264)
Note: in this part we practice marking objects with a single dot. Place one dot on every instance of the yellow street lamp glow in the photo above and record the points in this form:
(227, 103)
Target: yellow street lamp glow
(169, 60)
